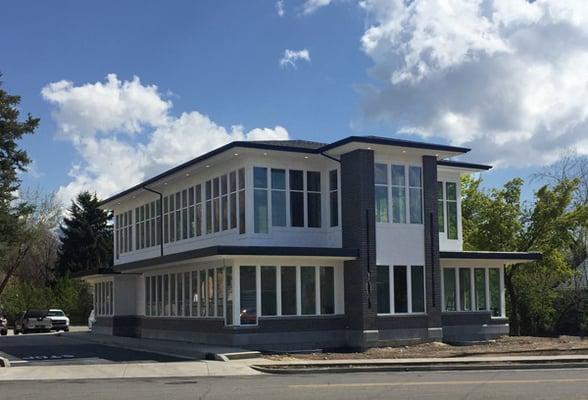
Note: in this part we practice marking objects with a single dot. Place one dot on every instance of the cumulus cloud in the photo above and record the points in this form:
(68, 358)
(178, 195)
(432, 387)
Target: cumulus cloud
(280, 8)
(506, 77)
(290, 57)
(123, 133)
(310, 6)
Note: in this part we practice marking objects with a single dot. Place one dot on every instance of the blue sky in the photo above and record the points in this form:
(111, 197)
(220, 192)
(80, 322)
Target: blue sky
(220, 61)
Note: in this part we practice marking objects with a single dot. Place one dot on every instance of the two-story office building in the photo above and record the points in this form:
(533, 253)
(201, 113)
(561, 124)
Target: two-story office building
(296, 244)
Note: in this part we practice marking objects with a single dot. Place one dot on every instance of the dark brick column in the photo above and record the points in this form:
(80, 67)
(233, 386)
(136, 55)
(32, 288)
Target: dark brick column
(432, 260)
(358, 231)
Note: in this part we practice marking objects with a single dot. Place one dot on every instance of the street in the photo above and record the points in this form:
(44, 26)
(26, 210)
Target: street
(51, 349)
(541, 384)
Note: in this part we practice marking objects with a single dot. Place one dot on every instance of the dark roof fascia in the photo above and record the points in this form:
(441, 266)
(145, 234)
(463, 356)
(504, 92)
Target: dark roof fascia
(210, 154)
(459, 164)
(492, 255)
(96, 271)
(394, 142)
(274, 251)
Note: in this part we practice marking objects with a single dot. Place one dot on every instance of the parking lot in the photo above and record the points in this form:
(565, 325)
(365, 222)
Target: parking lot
(52, 348)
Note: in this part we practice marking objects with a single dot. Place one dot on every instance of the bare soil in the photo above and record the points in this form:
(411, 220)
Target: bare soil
(505, 346)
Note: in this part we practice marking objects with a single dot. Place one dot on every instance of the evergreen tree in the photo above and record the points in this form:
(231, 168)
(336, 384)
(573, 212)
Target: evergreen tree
(86, 240)
(13, 160)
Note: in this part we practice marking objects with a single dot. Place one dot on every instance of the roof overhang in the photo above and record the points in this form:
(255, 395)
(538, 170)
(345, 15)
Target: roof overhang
(462, 167)
(486, 258)
(220, 252)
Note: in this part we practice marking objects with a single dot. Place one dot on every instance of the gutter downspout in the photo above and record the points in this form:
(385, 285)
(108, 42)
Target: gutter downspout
(160, 216)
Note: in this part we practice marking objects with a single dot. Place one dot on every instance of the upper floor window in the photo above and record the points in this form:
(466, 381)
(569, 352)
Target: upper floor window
(406, 194)
(447, 208)
(313, 198)
(260, 204)
(296, 198)
(334, 197)
(123, 233)
(278, 181)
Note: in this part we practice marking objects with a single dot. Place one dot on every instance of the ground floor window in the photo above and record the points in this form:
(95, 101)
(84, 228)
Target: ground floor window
(104, 298)
(400, 289)
(473, 289)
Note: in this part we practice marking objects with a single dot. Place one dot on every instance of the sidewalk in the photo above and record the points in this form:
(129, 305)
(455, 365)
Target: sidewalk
(128, 370)
(187, 350)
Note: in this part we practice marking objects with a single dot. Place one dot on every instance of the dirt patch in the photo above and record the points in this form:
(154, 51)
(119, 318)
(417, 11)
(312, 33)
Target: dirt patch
(505, 346)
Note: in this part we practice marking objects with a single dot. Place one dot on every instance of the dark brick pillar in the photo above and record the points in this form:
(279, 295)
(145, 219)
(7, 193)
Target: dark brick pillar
(432, 260)
(358, 232)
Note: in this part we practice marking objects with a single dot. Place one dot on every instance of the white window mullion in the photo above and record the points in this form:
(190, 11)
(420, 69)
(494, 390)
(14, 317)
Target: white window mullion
(237, 295)
(473, 290)
(502, 294)
(317, 290)
(258, 291)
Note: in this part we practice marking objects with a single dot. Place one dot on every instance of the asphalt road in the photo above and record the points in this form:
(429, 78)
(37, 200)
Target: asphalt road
(50, 349)
(520, 385)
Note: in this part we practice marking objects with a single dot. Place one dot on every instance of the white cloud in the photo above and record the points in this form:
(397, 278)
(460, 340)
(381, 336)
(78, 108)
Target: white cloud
(280, 8)
(290, 57)
(310, 6)
(132, 146)
(505, 77)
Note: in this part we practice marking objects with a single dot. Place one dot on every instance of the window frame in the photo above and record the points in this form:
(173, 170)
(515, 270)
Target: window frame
(409, 294)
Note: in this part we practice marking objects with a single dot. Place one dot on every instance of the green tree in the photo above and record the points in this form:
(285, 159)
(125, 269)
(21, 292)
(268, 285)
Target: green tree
(497, 220)
(13, 160)
(86, 240)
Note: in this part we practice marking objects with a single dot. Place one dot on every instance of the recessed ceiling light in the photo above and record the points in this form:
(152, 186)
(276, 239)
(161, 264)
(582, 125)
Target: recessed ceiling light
(118, 203)
(236, 154)
(436, 155)
(165, 183)
(305, 156)
(403, 151)
(265, 154)
(134, 197)
(208, 166)
(369, 148)
(187, 174)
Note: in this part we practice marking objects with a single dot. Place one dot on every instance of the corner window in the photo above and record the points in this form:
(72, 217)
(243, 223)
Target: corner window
(381, 192)
(473, 289)
(278, 180)
(401, 289)
(449, 292)
(334, 197)
(415, 194)
(241, 196)
(465, 293)
(495, 297)
(440, 207)
(260, 206)
(248, 295)
(313, 186)
(451, 202)
(296, 198)
(327, 290)
(398, 194)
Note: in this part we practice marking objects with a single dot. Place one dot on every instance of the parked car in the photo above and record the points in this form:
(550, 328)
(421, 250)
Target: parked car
(91, 320)
(59, 321)
(32, 321)
(3, 324)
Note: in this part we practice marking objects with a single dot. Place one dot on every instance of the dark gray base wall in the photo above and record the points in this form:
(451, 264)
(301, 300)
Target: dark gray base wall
(102, 326)
(461, 327)
(398, 330)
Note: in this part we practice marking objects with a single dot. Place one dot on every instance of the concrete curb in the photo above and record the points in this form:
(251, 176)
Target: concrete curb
(4, 362)
(464, 365)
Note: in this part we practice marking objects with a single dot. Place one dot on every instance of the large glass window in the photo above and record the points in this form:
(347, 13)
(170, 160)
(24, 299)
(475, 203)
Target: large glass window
(166, 295)
(278, 178)
(179, 216)
(381, 192)
(224, 203)
(327, 286)
(210, 292)
(268, 291)
(220, 292)
(480, 288)
(417, 282)
(449, 290)
(440, 207)
(495, 297)
(159, 295)
(203, 293)
(229, 295)
(400, 289)
(233, 199)
(288, 283)
(147, 296)
(248, 295)
(398, 188)
(334, 197)
(198, 210)
(241, 174)
(465, 289)
(260, 210)
(216, 204)
(383, 288)
(313, 184)
(180, 294)
(415, 192)
(172, 295)
(187, 294)
(195, 298)
(296, 198)
(308, 290)
(451, 201)
(208, 189)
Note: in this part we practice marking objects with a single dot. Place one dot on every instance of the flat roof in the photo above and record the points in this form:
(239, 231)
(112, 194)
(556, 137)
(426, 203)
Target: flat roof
(270, 251)
(296, 146)
(464, 165)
